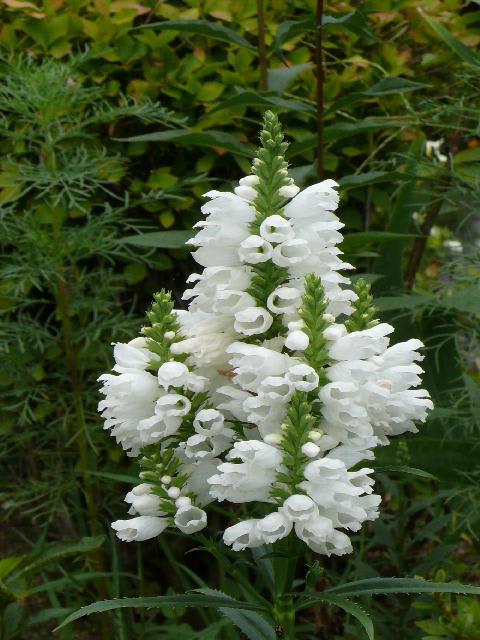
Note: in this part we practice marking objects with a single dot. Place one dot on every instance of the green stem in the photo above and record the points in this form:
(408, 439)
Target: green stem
(284, 565)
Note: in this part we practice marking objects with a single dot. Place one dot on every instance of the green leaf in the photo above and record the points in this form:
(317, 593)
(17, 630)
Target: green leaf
(467, 54)
(255, 99)
(464, 300)
(7, 565)
(390, 263)
(353, 20)
(208, 138)
(157, 602)
(370, 177)
(342, 130)
(57, 551)
(117, 477)
(361, 238)
(347, 605)
(278, 80)
(251, 623)
(412, 471)
(372, 586)
(73, 581)
(466, 156)
(289, 29)
(207, 28)
(411, 301)
(389, 86)
(160, 239)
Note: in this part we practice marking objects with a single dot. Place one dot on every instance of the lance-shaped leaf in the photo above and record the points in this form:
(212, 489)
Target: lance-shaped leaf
(160, 239)
(348, 606)
(467, 54)
(214, 30)
(208, 138)
(158, 602)
(373, 586)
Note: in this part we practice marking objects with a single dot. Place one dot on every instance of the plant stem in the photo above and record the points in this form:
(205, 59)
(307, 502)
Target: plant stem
(320, 80)
(421, 242)
(284, 573)
(262, 55)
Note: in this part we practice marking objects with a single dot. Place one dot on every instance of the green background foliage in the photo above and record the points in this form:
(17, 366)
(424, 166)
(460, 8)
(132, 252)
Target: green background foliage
(115, 117)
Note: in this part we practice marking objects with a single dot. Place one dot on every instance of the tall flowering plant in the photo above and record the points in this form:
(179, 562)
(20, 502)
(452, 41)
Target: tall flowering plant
(274, 385)
(270, 390)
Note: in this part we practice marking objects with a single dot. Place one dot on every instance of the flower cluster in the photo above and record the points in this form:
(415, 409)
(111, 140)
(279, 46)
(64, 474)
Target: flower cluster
(273, 386)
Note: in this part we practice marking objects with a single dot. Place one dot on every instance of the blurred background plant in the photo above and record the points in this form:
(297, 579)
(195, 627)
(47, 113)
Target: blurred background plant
(115, 117)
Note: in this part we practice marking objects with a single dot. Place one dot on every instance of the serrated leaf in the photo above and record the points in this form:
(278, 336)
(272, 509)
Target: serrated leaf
(160, 239)
(251, 623)
(372, 586)
(157, 602)
(348, 606)
(208, 138)
(206, 28)
(467, 54)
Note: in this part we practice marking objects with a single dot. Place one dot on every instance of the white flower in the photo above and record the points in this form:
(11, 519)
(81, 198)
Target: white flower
(302, 377)
(318, 197)
(252, 321)
(208, 422)
(172, 404)
(133, 355)
(242, 535)
(190, 519)
(140, 528)
(284, 300)
(129, 398)
(297, 341)
(273, 527)
(200, 445)
(143, 501)
(361, 344)
(246, 192)
(314, 531)
(289, 190)
(250, 180)
(290, 252)
(252, 363)
(300, 508)
(310, 449)
(275, 388)
(432, 148)
(249, 480)
(276, 229)
(455, 246)
(254, 250)
(198, 472)
(173, 374)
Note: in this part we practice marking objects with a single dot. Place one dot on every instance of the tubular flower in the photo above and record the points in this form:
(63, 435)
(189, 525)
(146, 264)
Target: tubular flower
(273, 386)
